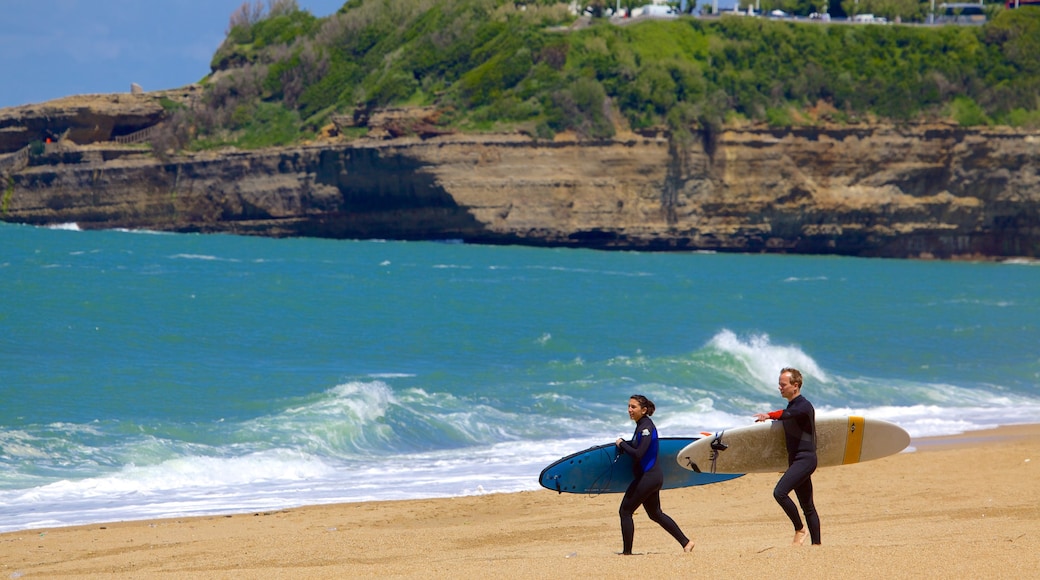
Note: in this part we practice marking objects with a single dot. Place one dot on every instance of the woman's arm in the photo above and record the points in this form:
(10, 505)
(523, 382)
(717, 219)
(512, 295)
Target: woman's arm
(644, 426)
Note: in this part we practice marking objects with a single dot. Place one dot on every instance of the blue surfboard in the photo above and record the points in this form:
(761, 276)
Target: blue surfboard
(602, 469)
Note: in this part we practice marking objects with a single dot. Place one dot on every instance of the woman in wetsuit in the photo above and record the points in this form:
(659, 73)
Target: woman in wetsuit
(799, 420)
(645, 489)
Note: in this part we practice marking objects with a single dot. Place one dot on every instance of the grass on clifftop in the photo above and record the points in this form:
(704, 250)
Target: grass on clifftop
(489, 65)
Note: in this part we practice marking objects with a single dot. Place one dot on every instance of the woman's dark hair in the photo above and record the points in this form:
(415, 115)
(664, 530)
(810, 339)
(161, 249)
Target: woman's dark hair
(645, 403)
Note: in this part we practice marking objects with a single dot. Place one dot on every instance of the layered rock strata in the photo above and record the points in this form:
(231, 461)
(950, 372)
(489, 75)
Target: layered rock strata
(914, 191)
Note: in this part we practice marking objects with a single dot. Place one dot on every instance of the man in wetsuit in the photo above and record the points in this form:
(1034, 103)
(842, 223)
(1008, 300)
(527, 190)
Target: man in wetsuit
(799, 419)
(645, 489)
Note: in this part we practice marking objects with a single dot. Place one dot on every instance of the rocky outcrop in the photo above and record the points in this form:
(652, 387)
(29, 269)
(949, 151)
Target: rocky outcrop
(913, 191)
(85, 119)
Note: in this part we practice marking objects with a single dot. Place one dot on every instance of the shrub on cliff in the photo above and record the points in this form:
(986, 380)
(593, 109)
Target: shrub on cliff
(253, 27)
(494, 64)
(967, 112)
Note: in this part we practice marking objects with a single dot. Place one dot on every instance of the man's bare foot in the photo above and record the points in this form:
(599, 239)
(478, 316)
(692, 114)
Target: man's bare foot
(799, 537)
(688, 547)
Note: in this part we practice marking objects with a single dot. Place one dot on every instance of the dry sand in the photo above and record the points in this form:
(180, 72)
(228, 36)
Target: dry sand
(960, 507)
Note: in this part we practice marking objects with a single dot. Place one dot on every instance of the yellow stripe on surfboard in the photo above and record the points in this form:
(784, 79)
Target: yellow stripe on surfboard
(854, 440)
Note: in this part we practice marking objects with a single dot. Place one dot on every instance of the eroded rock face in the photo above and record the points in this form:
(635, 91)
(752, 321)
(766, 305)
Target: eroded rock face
(917, 191)
(87, 118)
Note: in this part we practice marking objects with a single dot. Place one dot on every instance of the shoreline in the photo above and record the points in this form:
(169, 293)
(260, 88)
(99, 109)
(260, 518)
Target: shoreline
(935, 511)
(976, 437)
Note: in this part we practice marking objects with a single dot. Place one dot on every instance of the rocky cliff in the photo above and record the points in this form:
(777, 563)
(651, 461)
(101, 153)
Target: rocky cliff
(85, 118)
(911, 191)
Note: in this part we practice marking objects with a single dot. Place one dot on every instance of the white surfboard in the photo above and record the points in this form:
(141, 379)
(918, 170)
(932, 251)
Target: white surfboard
(759, 448)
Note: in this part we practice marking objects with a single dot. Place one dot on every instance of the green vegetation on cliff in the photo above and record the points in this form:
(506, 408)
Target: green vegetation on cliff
(282, 74)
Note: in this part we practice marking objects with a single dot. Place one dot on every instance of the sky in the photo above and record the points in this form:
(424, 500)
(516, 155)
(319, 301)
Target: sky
(56, 48)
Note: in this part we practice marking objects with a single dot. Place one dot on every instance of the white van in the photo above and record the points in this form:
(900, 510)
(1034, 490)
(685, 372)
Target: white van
(658, 11)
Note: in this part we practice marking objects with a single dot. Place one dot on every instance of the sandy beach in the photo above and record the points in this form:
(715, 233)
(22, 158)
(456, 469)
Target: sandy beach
(965, 506)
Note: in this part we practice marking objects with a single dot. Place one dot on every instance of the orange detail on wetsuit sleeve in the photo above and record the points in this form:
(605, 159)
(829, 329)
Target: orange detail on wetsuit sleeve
(775, 414)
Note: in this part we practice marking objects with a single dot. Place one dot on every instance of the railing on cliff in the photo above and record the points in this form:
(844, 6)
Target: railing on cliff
(16, 161)
(19, 160)
(138, 136)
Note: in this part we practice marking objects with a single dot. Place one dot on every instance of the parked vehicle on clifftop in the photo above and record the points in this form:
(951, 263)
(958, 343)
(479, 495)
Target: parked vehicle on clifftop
(658, 11)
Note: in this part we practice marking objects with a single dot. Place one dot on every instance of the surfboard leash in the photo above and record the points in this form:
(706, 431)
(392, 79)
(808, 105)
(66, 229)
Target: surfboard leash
(608, 473)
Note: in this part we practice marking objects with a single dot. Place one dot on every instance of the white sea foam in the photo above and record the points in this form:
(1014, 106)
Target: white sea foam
(204, 257)
(1022, 262)
(762, 359)
(205, 485)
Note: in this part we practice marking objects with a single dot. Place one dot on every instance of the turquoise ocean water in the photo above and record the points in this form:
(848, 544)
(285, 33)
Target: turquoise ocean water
(150, 375)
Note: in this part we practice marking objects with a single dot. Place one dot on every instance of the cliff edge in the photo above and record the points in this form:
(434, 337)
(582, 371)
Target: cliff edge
(931, 191)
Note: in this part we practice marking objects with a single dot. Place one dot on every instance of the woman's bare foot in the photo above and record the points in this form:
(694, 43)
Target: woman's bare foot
(688, 547)
(799, 537)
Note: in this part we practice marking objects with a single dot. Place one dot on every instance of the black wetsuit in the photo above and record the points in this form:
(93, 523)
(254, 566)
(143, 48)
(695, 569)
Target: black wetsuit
(799, 420)
(645, 489)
